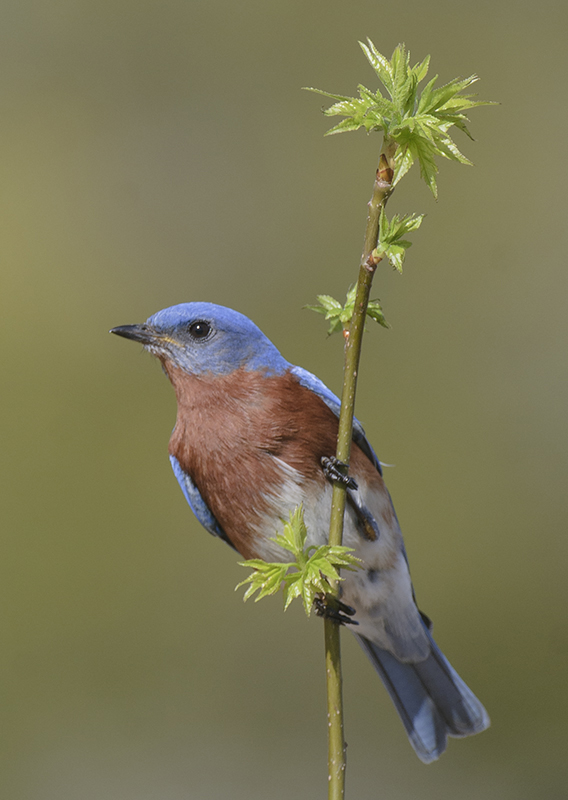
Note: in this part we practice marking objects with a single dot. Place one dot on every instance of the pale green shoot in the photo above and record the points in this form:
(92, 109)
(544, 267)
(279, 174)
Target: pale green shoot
(307, 575)
(416, 122)
(391, 244)
(340, 316)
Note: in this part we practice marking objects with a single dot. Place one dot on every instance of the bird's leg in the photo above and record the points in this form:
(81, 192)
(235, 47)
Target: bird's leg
(332, 469)
(330, 607)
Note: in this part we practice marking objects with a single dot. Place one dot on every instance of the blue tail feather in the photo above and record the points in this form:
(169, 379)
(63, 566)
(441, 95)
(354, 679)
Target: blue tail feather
(432, 700)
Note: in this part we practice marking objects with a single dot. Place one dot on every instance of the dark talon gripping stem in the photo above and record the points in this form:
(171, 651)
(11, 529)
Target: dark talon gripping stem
(332, 469)
(330, 607)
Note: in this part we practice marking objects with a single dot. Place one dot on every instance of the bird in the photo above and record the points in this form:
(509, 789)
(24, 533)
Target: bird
(247, 447)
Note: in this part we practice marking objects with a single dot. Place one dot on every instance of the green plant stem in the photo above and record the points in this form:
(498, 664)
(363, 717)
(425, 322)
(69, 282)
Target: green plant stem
(382, 188)
(336, 761)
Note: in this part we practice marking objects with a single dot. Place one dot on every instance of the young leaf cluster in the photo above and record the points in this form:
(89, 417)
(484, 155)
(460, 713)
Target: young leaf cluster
(340, 316)
(416, 122)
(313, 567)
(391, 244)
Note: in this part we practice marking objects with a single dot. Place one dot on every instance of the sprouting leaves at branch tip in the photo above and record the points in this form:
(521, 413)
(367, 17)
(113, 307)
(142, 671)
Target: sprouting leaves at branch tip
(417, 122)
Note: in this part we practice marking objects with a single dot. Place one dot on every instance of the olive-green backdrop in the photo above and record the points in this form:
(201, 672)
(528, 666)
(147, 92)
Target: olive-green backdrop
(153, 153)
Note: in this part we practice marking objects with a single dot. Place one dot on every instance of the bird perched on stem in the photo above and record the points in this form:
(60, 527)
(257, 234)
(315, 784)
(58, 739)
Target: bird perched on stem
(247, 448)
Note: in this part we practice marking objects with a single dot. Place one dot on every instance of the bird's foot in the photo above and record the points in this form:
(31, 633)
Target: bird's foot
(336, 472)
(330, 607)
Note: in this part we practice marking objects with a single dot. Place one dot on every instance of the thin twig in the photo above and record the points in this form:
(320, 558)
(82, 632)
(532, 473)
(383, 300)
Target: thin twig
(382, 189)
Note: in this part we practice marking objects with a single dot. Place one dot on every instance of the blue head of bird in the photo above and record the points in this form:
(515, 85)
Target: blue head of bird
(202, 338)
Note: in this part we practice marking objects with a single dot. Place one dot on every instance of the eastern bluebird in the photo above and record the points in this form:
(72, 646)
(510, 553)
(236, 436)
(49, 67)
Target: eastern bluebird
(247, 448)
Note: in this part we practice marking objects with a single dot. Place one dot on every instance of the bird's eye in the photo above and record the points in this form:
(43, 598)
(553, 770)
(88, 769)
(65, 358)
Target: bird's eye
(199, 329)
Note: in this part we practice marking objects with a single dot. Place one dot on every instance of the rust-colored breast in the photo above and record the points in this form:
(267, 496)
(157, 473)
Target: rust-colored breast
(230, 430)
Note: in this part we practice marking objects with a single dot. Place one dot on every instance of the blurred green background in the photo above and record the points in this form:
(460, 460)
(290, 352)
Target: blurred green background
(154, 153)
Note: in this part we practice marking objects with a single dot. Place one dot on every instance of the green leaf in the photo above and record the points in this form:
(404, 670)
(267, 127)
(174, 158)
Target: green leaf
(395, 254)
(326, 94)
(335, 326)
(345, 108)
(266, 579)
(344, 126)
(293, 536)
(340, 316)
(418, 123)
(421, 70)
(291, 591)
(425, 152)
(317, 309)
(375, 311)
(403, 160)
(380, 64)
(391, 243)
(435, 99)
(309, 574)
(329, 303)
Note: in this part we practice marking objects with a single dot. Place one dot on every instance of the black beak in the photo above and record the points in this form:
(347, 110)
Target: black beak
(138, 333)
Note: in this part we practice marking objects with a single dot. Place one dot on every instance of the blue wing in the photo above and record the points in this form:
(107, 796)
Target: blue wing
(197, 503)
(310, 381)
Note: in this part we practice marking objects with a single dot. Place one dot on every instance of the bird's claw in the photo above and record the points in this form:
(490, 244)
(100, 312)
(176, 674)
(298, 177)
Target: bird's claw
(329, 607)
(336, 472)
(332, 469)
